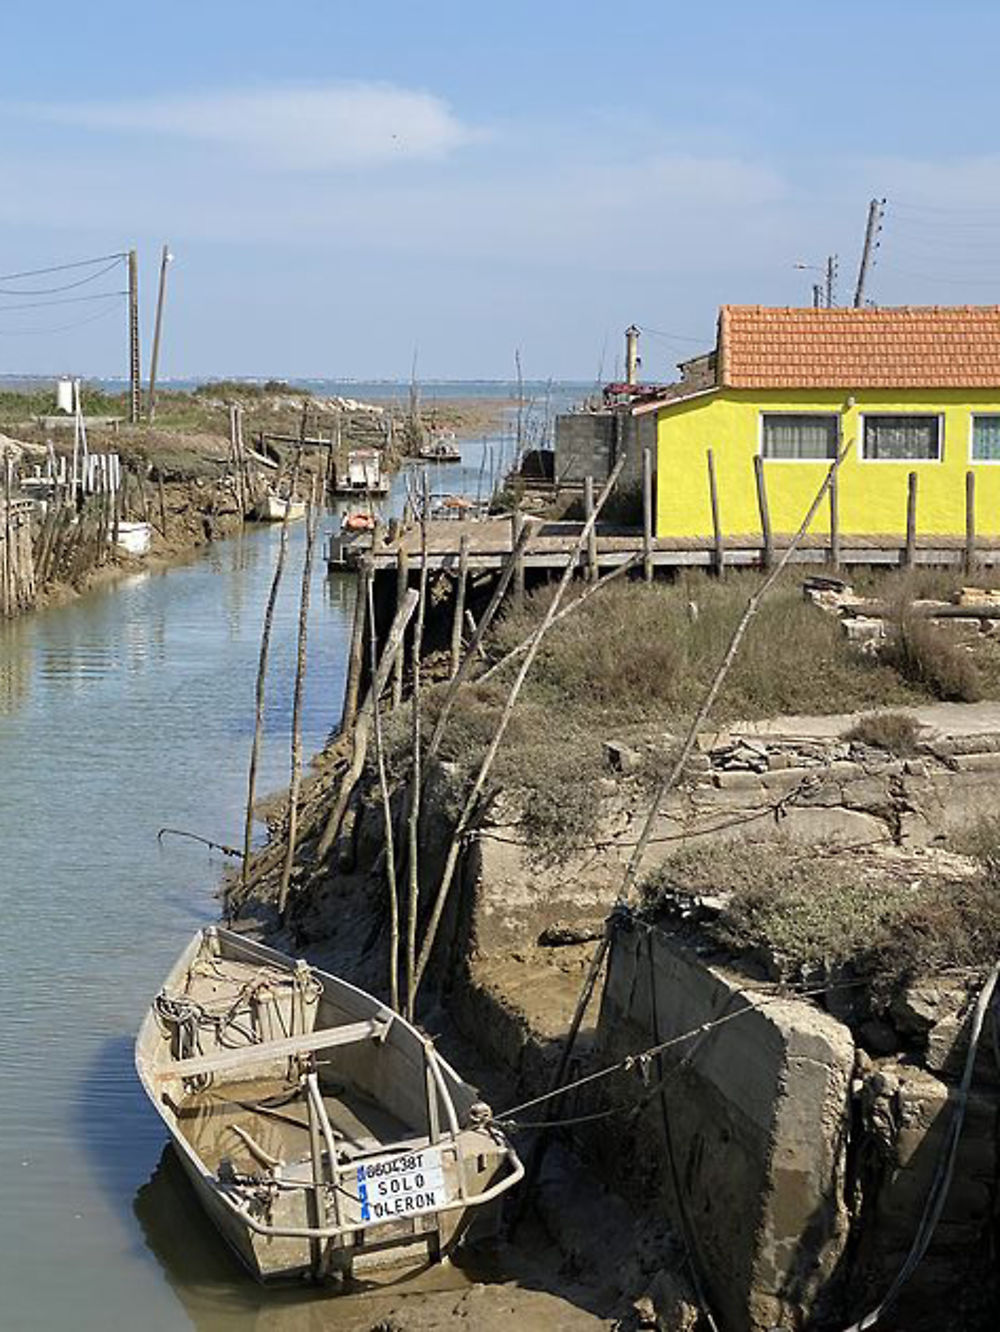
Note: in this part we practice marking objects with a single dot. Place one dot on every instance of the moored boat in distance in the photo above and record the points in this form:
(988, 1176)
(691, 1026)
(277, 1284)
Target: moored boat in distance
(322, 1132)
(442, 448)
(272, 509)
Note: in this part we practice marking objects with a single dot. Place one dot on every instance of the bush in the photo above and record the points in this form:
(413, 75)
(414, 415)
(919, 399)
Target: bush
(811, 906)
(895, 732)
(926, 657)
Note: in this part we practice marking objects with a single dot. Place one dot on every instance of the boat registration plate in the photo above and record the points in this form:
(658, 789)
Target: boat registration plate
(404, 1184)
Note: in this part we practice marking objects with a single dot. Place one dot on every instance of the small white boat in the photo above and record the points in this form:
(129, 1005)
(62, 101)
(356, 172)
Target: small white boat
(322, 1132)
(272, 508)
(363, 474)
(135, 538)
(442, 448)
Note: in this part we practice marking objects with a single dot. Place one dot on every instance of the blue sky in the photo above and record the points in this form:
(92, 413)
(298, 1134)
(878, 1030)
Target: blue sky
(344, 183)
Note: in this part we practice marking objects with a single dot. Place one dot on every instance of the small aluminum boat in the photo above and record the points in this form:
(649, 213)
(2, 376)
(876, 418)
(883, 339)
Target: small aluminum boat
(322, 1132)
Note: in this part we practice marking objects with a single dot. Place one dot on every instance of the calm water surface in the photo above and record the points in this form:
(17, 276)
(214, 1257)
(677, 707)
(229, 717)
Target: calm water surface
(128, 710)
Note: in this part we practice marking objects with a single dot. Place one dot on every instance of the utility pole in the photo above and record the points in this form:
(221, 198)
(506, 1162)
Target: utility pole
(817, 295)
(831, 280)
(875, 209)
(165, 259)
(134, 380)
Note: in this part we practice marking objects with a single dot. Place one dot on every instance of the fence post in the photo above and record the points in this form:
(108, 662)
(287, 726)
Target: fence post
(834, 525)
(588, 510)
(713, 494)
(911, 520)
(970, 521)
(647, 515)
(765, 513)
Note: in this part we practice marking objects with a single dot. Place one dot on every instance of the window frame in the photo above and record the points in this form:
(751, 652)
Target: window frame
(904, 462)
(973, 460)
(812, 462)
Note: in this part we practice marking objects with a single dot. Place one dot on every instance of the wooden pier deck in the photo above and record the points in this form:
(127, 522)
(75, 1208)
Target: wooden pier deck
(491, 541)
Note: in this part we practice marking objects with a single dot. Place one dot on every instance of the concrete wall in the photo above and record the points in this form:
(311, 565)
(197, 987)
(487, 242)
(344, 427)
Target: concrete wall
(758, 1122)
(872, 495)
(588, 444)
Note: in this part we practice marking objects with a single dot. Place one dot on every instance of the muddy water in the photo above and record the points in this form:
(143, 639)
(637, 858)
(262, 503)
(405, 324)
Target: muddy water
(123, 712)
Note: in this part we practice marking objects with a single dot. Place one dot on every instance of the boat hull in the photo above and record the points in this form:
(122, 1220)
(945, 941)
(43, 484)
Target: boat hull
(411, 1161)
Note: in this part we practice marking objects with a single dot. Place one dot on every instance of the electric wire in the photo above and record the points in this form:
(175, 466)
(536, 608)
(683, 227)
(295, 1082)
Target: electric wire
(63, 268)
(59, 328)
(62, 300)
(65, 286)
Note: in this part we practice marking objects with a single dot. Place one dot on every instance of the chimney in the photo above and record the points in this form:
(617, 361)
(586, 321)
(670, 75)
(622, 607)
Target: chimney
(631, 355)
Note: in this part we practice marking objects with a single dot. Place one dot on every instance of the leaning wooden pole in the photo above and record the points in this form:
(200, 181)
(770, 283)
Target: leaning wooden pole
(258, 728)
(458, 613)
(472, 799)
(390, 841)
(674, 775)
(413, 811)
(312, 519)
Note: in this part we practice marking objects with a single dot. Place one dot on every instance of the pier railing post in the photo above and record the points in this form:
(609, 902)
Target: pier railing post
(767, 558)
(588, 513)
(647, 515)
(910, 556)
(970, 521)
(459, 609)
(713, 495)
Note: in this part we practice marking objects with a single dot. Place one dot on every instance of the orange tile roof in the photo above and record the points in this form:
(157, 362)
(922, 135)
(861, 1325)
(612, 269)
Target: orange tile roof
(935, 346)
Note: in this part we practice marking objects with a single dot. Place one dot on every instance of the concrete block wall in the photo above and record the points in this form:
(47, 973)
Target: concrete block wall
(587, 444)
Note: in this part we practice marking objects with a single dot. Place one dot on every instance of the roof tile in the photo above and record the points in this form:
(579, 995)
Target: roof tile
(917, 346)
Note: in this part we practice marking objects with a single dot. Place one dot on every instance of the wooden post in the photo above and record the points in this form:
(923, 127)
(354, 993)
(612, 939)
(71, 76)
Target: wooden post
(910, 557)
(834, 526)
(402, 584)
(353, 685)
(163, 504)
(516, 528)
(647, 515)
(459, 610)
(970, 521)
(713, 494)
(765, 513)
(588, 513)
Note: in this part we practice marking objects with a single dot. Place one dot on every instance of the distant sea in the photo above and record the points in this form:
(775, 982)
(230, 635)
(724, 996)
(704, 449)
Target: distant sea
(558, 394)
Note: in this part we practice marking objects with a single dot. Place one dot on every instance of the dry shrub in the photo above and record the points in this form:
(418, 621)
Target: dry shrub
(980, 839)
(895, 732)
(812, 906)
(926, 657)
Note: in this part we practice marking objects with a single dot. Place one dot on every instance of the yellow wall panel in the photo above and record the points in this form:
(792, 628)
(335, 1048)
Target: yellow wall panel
(872, 495)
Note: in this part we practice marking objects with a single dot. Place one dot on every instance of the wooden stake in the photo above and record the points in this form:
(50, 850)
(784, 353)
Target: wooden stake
(588, 513)
(390, 847)
(265, 644)
(765, 514)
(163, 504)
(356, 652)
(402, 584)
(416, 781)
(472, 799)
(475, 648)
(516, 528)
(910, 558)
(834, 525)
(713, 494)
(362, 725)
(458, 613)
(970, 521)
(312, 520)
(647, 515)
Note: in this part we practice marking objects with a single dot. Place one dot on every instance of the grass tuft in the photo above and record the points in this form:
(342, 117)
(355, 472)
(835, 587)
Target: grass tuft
(895, 732)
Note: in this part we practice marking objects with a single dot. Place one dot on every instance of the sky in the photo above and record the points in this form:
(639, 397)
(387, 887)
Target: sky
(347, 188)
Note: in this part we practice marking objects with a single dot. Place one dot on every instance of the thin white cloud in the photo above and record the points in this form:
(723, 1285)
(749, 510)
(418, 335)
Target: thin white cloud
(313, 129)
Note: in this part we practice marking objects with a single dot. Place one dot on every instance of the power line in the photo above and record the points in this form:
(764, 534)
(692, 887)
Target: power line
(63, 300)
(59, 328)
(62, 268)
(66, 286)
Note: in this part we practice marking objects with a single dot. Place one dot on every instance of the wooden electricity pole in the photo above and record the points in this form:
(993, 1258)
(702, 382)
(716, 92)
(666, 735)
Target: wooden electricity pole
(871, 244)
(165, 258)
(831, 280)
(134, 380)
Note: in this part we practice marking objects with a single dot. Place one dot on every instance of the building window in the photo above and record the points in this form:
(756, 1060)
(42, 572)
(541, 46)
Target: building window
(797, 435)
(903, 438)
(986, 439)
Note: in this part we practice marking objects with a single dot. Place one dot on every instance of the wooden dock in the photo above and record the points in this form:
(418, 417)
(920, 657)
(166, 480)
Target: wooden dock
(490, 542)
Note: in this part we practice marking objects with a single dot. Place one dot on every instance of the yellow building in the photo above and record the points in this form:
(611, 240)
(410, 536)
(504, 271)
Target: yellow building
(903, 390)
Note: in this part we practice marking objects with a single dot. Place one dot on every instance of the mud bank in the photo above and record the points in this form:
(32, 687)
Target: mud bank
(806, 1133)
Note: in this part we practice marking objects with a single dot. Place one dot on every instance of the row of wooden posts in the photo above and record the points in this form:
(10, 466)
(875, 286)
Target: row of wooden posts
(768, 546)
(17, 569)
